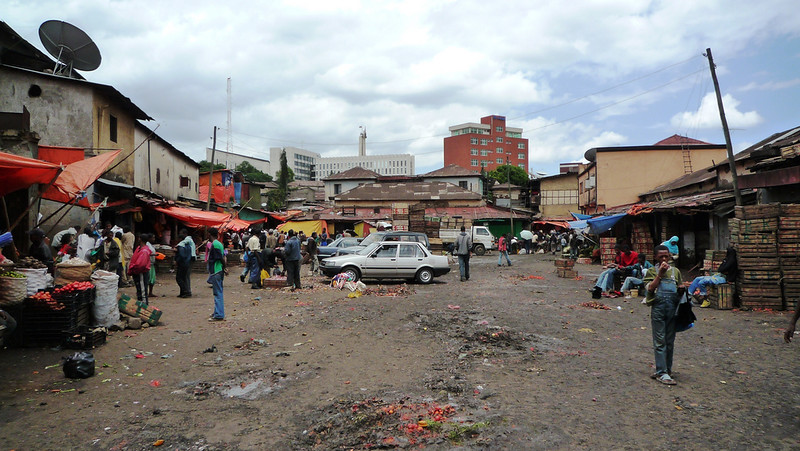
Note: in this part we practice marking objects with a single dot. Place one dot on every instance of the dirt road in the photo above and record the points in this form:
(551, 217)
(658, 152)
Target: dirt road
(507, 360)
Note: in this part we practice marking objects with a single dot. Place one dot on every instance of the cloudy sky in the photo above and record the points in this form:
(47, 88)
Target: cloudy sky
(573, 75)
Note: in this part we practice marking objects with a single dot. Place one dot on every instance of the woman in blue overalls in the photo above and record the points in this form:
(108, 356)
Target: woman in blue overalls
(664, 290)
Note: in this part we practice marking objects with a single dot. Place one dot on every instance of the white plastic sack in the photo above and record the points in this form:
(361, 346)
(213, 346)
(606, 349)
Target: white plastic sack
(37, 279)
(105, 308)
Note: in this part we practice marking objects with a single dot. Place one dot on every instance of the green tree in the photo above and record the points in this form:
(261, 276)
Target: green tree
(285, 176)
(501, 175)
(205, 166)
(251, 173)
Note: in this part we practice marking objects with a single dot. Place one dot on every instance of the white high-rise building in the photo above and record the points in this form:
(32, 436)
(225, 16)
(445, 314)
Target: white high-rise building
(309, 165)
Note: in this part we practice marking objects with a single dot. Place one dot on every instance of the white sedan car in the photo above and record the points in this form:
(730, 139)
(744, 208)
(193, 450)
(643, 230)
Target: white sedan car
(389, 260)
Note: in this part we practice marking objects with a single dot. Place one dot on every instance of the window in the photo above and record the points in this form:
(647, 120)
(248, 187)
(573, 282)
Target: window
(112, 128)
(483, 141)
(473, 151)
(499, 128)
(499, 161)
(520, 145)
(484, 152)
(521, 156)
(559, 197)
(158, 175)
(481, 232)
(337, 188)
(387, 251)
(473, 162)
(408, 250)
(463, 184)
(484, 163)
(184, 182)
(499, 139)
(521, 165)
(499, 150)
(473, 140)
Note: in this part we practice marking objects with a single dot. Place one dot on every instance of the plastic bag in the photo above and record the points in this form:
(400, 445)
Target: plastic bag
(79, 365)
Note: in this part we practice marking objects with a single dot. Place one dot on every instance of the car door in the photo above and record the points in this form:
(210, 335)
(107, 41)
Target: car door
(409, 258)
(382, 262)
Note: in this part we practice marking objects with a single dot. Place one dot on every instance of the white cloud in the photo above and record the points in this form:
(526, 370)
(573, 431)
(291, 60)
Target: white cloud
(770, 85)
(308, 74)
(707, 115)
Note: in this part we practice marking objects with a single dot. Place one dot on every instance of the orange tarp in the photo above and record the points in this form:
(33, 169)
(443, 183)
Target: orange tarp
(21, 172)
(78, 176)
(239, 224)
(196, 218)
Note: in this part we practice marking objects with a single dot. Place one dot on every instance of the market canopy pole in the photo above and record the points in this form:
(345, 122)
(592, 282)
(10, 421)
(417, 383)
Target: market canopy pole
(5, 215)
(728, 147)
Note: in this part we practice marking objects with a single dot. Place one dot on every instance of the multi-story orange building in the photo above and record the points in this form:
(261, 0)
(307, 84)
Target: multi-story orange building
(486, 145)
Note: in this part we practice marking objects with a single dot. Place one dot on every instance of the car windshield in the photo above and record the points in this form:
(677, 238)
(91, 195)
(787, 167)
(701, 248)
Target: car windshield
(373, 238)
(368, 249)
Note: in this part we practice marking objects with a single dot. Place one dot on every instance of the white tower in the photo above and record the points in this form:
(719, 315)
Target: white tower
(362, 142)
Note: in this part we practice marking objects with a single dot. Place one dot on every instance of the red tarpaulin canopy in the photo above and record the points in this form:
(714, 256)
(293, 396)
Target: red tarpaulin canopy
(78, 176)
(21, 172)
(239, 224)
(196, 218)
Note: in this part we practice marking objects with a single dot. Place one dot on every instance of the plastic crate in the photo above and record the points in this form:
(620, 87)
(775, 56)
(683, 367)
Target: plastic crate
(43, 326)
(85, 337)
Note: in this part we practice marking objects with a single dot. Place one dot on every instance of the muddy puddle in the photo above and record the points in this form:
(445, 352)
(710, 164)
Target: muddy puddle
(250, 386)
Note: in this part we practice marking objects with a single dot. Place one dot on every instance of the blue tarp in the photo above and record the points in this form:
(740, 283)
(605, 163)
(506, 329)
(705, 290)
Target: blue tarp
(602, 223)
(580, 217)
(577, 225)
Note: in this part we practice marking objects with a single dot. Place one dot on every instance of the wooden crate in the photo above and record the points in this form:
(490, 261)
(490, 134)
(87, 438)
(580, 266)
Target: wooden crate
(757, 238)
(788, 236)
(752, 290)
(722, 296)
(758, 225)
(759, 275)
(584, 261)
(566, 263)
(790, 209)
(758, 250)
(757, 211)
(789, 223)
(788, 249)
(758, 263)
(566, 273)
(138, 309)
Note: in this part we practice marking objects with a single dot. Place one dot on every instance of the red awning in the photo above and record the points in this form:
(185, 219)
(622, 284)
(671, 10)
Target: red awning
(21, 172)
(562, 224)
(78, 176)
(196, 218)
(237, 224)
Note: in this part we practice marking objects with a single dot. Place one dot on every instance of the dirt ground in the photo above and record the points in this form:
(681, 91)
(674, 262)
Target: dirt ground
(507, 360)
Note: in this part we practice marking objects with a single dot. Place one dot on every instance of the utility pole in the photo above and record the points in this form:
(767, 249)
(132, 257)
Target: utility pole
(728, 147)
(510, 209)
(211, 173)
(229, 143)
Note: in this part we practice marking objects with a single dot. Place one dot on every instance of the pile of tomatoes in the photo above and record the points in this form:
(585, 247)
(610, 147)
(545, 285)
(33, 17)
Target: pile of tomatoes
(74, 287)
(45, 299)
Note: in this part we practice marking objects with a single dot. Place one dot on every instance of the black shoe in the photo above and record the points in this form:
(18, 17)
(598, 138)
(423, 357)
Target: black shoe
(597, 293)
(241, 277)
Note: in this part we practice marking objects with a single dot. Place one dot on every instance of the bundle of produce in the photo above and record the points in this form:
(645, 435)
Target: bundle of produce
(13, 287)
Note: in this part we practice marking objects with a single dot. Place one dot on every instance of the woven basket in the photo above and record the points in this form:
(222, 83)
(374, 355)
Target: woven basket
(12, 290)
(74, 273)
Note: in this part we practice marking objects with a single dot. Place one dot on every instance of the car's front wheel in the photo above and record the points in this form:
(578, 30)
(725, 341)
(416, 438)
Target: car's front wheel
(480, 249)
(353, 273)
(424, 275)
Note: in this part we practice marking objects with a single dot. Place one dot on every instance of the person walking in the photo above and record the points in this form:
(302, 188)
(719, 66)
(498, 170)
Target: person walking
(184, 256)
(291, 259)
(313, 251)
(127, 249)
(502, 248)
(217, 269)
(139, 268)
(252, 246)
(663, 283)
(463, 249)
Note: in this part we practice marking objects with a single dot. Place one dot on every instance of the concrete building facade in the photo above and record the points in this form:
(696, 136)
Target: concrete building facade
(559, 195)
(486, 145)
(161, 168)
(231, 160)
(385, 165)
(302, 162)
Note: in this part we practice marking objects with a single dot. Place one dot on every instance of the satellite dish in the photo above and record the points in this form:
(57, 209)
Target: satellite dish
(71, 47)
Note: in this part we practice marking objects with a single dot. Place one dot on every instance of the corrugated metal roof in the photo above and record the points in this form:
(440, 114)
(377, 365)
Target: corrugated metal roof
(411, 191)
(452, 170)
(355, 173)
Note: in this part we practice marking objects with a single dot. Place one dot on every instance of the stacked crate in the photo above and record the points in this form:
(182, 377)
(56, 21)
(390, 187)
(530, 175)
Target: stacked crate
(642, 241)
(721, 296)
(712, 261)
(607, 252)
(565, 268)
(789, 253)
(759, 278)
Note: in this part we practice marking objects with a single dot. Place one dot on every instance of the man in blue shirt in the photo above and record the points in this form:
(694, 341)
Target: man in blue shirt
(291, 258)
